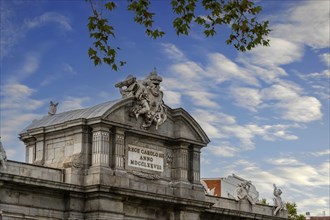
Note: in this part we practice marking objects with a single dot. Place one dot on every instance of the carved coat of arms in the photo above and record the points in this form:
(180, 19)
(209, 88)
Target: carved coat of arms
(149, 99)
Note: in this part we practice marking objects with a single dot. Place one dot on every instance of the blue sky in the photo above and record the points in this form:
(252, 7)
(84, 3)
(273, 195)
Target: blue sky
(265, 111)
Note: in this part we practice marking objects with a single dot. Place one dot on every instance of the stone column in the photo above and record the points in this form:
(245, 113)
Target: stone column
(40, 149)
(194, 174)
(118, 149)
(100, 171)
(30, 150)
(100, 146)
(180, 164)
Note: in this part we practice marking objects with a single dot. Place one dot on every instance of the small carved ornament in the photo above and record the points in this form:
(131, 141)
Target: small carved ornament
(52, 108)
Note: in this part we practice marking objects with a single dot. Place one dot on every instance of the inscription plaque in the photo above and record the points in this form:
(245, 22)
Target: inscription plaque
(145, 158)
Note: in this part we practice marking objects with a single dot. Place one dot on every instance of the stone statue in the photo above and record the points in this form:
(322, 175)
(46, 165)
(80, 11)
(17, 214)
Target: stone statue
(52, 108)
(242, 192)
(3, 157)
(208, 191)
(278, 204)
(149, 99)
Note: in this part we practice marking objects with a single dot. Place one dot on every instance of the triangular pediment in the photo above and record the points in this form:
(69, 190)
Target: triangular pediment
(178, 125)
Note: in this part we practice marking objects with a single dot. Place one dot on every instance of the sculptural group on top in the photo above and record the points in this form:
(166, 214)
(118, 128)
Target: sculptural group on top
(149, 99)
(243, 192)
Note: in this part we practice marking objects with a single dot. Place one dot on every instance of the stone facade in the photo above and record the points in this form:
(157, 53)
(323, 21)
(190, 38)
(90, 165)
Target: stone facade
(100, 163)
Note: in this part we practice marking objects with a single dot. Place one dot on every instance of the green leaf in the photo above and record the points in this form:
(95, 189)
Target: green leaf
(110, 5)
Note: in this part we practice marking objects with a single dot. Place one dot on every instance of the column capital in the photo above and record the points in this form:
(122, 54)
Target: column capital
(100, 127)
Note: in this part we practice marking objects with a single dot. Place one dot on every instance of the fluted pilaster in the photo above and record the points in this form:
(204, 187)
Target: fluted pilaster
(101, 148)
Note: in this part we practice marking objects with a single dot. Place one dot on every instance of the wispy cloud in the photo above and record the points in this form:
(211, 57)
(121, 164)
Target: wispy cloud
(325, 58)
(172, 98)
(223, 150)
(12, 32)
(248, 98)
(321, 153)
(71, 103)
(49, 17)
(17, 110)
(64, 71)
(173, 52)
(312, 30)
(294, 106)
(221, 69)
(280, 52)
(17, 96)
(224, 129)
(29, 66)
(297, 180)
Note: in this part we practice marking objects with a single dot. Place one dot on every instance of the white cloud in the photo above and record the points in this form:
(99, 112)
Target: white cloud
(280, 51)
(72, 103)
(172, 98)
(284, 161)
(204, 99)
(223, 150)
(49, 17)
(318, 204)
(66, 70)
(215, 117)
(325, 58)
(188, 70)
(221, 69)
(248, 98)
(211, 121)
(28, 67)
(302, 109)
(321, 153)
(12, 32)
(306, 23)
(14, 122)
(300, 182)
(173, 52)
(16, 96)
(294, 106)
(220, 126)
(17, 111)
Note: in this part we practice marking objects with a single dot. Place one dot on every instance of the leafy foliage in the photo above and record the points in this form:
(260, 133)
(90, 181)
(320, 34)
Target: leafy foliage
(240, 15)
(263, 201)
(292, 211)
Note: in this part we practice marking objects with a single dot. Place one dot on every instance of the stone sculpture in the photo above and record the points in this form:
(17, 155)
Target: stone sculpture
(149, 99)
(208, 191)
(3, 156)
(52, 108)
(242, 192)
(278, 204)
